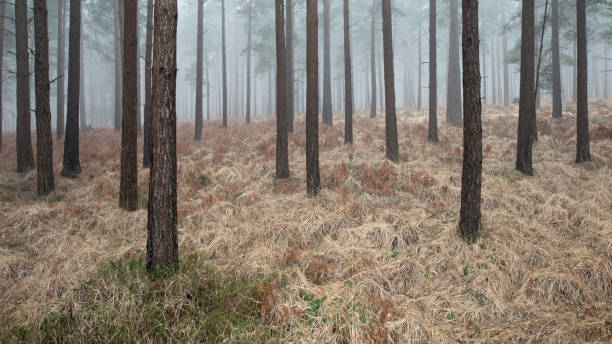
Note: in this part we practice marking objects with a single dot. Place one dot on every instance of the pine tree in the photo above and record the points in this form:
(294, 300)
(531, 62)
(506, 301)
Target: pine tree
(313, 179)
(392, 147)
(282, 143)
(527, 95)
(583, 150)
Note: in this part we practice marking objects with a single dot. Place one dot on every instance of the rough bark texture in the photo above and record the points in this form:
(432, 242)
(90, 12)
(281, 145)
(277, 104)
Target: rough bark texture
(162, 222)
(128, 192)
(2, 12)
(25, 156)
(290, 71)
(327, 90)
(146, 156)
(282, 142)
(373, 61)
(527, 95)
(118, 43)
(348, 81)
(82, 105)
(248, 76)
(224, 58)
(61, 66)
(505, 50)
(453, 90)
(471, 178)
(313, 179)
(392, 146)
(44, 142)
(583, 150)
(432, 133)
(199, 118)
(557, 102)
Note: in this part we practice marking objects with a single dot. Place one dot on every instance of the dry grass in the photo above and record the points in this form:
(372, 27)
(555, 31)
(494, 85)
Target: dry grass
(376, 258)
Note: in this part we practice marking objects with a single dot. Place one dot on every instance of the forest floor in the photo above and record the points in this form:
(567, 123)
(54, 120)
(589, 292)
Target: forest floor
(375, 258)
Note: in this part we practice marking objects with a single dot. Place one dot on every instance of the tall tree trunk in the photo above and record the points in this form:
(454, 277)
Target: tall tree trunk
(146, 156)
(61, 66)
(471, 177)
(128, 196)
(2, 12)
(348, 74)
(313, 179)
(25, 156)
(138, 87)
(162, 222)
(282, 143)
(392, 146)
(44, 142)
(583, 150)
(373, 61)
(118, 43)
(199, 118)
(493, 74)
(453, 90)
(505, 51)
(432, 133)
(82, 109)
(420, 81)
(527, 101)
(248, 76)
(575, 73)
(327, 90)
(290, 71)
(557, 103)
(224, 58)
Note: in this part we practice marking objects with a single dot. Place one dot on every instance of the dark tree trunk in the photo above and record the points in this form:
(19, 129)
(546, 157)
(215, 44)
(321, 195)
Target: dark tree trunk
(290, 71)
(432, 133)
(327, 97)
(471, 178)
(527, 95)
(313, 179)
(61, 66)
(583, 150)
(390, 115)
(282, 142)
(373, 61)
(146, 156)
(348, 82)
(248, 76)
(25, 156)
(128, 196)
(505, 51)
(199, 118)
(82, 108)
(420, 81)
(453, 90)
(557, 102)
(138, 89)
(118, 43)
(44, 142)
(2, 13)
(224, 58)
(162, 222)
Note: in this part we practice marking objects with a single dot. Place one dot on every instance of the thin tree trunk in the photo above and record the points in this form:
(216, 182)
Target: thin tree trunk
(392, 147)
(2, 13)
(224, 58)
(505, 51)
(606, 94)
(453, 90)
(44, 142)
(485, 99)
(583, 150)
(471, 178)
(138, 87)
(25, 156)
(146, 149)
(420, 82)
(248, 76)
(118, 43)
(282, 143)
(207, 90)
(72, 164)
(199, 118)
(432, 133)
(327, 90)
(290, 71)
(128, 196)
(61, 66)
(348, 82)
(527, 101)
(82, 109)
(557, 102)
(313, 179)
(162, 222)
(493, 74)
(373, 61)
(575, 73)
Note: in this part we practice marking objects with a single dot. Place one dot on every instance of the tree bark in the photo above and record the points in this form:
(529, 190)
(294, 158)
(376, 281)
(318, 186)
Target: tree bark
(453, 90)
(44, 142)
(2, 13)
(249, 48)
(327, 97)
(118, 43)
(282, 142)
(146, 156)
(224, 58)
(313, 179)
(392, 147)
(471, 178)
(373, 61)
(25, 156)
(128, 196)
(290, 69)
(557, 102)
(348, 81)
(82, 104)
(583, 150)
(432, 133)
(162, 222)
(61, 66)
(527, 95)
(199, 118)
